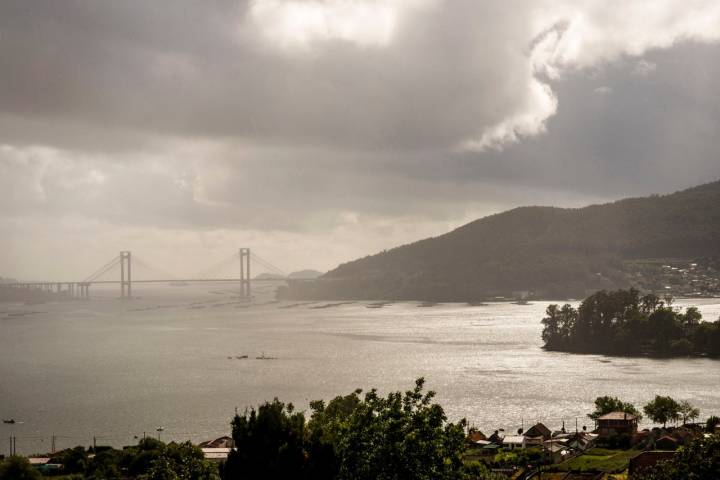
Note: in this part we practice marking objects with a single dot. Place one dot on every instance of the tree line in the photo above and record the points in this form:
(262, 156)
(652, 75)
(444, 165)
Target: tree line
(625, 322)
(661, 409)
(357, 436)
(404, 435)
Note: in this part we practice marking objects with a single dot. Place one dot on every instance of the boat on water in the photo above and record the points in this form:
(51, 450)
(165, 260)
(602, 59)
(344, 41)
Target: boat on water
(9, 421)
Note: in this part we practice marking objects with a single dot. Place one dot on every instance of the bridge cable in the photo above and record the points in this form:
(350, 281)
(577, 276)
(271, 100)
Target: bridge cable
(267, 264)
(217, 266)
(103, 270)
(152, 268)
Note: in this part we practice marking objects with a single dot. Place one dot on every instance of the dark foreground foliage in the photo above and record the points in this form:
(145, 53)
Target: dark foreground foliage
(623, 322)
(17, 468)
(401, 436)
(150, 459)
(698, 461)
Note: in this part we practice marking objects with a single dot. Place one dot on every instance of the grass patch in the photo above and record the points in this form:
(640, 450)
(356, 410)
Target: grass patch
(601, 460)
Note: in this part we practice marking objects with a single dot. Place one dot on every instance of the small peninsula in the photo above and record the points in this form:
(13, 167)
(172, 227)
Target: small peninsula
(624, 322)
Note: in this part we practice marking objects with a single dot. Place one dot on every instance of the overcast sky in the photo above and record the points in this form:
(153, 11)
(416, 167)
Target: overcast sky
(317, 131)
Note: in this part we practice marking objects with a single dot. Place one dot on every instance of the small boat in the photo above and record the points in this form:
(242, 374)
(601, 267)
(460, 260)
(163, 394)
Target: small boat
(9, 421)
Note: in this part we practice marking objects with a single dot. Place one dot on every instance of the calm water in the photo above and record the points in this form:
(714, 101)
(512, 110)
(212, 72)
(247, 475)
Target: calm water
(115, 369)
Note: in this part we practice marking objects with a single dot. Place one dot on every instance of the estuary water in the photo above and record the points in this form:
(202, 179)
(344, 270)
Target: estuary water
(116, 370)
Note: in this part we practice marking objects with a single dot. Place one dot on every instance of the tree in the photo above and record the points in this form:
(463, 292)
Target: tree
(401, 436)
(269, 443)
(74, 460)
(711, 423)
(700, 460)
(478, 471)
(326, 427)
(551, 327)
(180, 461)
(662, 409)
(607, 404)
(687, 411)
(692, 317)
(105, 465)
(559, 325)
(17, 468)
(139, 459)
(622, 321)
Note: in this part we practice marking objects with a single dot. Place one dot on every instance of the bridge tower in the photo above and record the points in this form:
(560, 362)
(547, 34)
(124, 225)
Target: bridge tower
(125, 274)
(245, 291)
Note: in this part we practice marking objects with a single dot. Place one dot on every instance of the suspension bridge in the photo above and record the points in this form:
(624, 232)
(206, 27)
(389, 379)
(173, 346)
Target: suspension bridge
(126, 265)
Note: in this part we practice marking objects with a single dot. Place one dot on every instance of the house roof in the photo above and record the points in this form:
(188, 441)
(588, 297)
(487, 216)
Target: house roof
(514, 439)
(218, 443)
(618, 416)
(216, 453)
(476, 435)
(538, 430)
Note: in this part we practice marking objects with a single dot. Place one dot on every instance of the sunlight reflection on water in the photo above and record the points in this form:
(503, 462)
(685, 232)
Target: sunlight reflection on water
(117, 369)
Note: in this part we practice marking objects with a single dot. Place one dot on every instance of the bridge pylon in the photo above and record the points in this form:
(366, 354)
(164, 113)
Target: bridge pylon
(245, 291)
(126, 274)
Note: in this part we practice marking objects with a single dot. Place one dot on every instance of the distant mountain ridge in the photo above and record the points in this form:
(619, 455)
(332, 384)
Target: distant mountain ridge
(307, 274)
(551, 251)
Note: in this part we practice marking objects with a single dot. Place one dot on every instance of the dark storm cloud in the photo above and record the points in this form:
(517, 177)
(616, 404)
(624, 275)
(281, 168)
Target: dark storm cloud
(357, 124)
(199, 69)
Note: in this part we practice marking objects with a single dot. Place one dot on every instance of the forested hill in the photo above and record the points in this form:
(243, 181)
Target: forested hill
(553, 252)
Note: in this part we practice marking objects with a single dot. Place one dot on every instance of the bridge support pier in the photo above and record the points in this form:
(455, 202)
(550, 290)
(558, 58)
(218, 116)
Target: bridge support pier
(245, 291)
(126, 274)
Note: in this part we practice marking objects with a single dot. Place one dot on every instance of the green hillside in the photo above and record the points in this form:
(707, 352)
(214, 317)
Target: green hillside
(553, 252)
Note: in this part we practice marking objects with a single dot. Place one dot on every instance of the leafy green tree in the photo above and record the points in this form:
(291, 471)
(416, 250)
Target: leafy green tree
(17, 468)
(182, 461)
(711, 423)
(479, 471)
(607, 404)
(401, 436)
(270, 443)
(664, 324)
(551, 327)
(687, 411)
(326, 427)
(558, 326)
(105, 466)
(691, 317)
(73, 460)
(662, 410)
(700, 460)
(137, 460)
